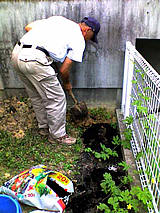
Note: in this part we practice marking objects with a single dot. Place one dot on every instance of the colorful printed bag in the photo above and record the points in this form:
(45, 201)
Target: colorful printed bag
(41, 188)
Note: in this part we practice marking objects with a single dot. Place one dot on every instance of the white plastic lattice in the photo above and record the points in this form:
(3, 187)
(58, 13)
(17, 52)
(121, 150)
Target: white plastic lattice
(141, 100)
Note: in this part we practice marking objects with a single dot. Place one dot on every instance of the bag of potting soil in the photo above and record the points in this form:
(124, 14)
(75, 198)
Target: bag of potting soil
(41, 188)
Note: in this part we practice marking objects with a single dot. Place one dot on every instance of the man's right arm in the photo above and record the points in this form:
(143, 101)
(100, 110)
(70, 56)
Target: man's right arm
(65, 73)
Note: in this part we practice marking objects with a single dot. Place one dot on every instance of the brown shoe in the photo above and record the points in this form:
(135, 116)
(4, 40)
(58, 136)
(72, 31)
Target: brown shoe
(44, 131)
(66, 139)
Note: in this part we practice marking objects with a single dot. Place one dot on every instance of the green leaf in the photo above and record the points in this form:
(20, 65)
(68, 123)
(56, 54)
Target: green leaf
(114, 202)
(124, 165)
(128, 120)
(139, 155)
(88, 149)
(116, 140)
(134, 82)
(104, 207)
(97, 155)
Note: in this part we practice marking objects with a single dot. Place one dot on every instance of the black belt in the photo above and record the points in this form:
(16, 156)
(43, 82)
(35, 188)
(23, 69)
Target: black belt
(38, 48)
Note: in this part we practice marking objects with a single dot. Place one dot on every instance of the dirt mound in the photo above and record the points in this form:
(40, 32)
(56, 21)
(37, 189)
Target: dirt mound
(88, 192)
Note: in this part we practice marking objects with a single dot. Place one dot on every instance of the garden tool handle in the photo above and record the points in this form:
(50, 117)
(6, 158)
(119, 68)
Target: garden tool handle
(72, 96)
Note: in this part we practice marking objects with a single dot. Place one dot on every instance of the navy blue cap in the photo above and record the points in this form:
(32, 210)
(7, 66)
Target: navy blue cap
(94, 24)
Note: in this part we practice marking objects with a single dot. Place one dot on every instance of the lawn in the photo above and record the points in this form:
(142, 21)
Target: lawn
(21, 146)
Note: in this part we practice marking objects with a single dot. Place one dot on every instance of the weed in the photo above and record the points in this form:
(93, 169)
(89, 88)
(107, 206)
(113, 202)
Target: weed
(104, 154)
(122, 201)
(124, 165)
(100, 113)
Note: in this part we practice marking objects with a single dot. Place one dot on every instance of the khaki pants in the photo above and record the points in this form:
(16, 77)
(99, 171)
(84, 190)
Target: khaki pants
(41, 83)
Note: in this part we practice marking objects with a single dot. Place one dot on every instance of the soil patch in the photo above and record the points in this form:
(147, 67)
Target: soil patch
(88, 192)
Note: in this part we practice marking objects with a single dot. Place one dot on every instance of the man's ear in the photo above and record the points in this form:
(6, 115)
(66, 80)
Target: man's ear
(88, 28)
(85, 30)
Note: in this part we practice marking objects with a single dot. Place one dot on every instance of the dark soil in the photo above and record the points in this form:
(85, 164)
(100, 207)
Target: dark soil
(88, 192)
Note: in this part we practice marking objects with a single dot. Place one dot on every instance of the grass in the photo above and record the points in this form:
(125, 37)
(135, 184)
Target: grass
(17, 155)
(21, 147)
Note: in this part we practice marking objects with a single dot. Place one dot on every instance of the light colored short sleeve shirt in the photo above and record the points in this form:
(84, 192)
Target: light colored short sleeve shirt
(61, 37)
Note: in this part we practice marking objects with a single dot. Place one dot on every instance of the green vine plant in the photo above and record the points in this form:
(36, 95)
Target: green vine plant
(104, 154)
(146, 119)
(127, 133)
(118, 200)
(123, 201)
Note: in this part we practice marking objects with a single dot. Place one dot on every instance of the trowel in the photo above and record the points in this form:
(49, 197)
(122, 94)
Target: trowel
(79, 111)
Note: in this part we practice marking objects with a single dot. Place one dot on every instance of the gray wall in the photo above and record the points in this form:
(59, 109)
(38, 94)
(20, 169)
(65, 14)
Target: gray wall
(102, 68)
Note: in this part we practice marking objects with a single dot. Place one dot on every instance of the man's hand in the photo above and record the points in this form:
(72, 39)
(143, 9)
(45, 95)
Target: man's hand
(67, 87)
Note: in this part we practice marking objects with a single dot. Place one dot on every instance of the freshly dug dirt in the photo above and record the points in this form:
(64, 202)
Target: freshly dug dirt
(88, 193)
(79, 112)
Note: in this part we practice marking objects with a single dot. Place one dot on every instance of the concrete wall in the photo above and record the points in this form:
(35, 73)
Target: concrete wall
(102, 68)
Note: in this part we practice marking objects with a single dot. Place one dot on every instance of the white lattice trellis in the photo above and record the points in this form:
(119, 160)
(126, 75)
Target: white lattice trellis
(141, 100)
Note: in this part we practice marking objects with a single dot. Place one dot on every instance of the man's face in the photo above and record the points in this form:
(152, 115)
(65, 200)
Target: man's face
(89, 34)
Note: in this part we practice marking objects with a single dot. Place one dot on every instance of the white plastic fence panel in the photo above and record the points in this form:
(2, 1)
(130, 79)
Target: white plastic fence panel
(127, 80)
(141, 100)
